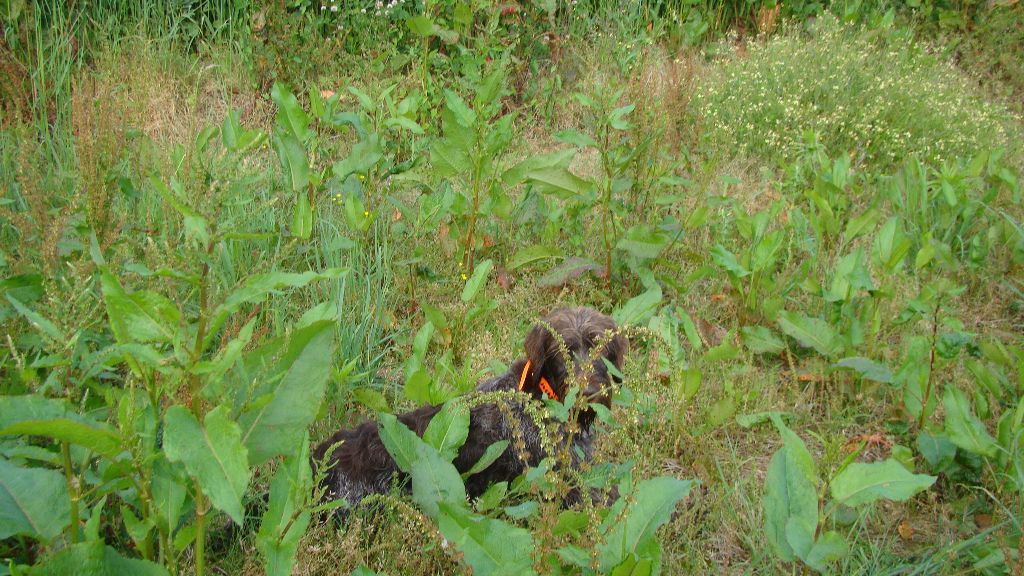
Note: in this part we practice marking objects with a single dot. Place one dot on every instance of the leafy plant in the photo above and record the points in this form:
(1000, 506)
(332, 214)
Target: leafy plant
(795, 519)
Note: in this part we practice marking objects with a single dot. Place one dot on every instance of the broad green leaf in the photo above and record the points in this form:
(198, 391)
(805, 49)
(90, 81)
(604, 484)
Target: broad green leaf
(762, 340)
(15, 409)
(212, 453)
(292, 155)
(290, 115)
(448, 430)
(94, 558)
(811, 332)
(830, 547)
(963, 427)
(532, 254)
(912, 377)
(790, 498)
(462, 113)
(521, 171)
(169, 493)
(630, 524)
(643, 242)
(558, 181)
(850, 276)
(488, 545)
(867, 369)
(274, 428)
(575, 138)
(33, 502)
(493, 452)
(259, 286)
(449, 158)
(567, 270)
(638, 309)
(434, 479)
(95, 437)
(140, 316)
(862, 483)
(285, 522)
(421, 26)
(399, 441)
(477, 280)
(364, 156)
(937, 450)
(406, 123)
(728, 262)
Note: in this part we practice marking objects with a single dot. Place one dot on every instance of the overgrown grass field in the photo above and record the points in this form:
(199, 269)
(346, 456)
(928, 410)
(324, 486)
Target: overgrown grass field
(230, 228)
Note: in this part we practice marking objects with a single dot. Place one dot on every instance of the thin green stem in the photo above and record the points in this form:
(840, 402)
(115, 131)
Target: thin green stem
(73, 492)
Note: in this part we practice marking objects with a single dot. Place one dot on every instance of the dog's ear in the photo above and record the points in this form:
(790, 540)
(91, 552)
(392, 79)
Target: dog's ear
(538, 344)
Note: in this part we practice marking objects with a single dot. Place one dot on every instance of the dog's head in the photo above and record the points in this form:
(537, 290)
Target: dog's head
(582, 330)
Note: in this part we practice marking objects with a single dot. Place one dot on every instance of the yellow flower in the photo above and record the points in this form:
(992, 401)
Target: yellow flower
(366, 213)
(464, 277)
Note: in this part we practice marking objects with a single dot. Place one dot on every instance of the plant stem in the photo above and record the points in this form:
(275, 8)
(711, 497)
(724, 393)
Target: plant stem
(73, 495)
(200, 529)
(931, 364)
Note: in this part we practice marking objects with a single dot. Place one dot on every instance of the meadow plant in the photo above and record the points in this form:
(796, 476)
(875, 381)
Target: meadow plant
(880, 95)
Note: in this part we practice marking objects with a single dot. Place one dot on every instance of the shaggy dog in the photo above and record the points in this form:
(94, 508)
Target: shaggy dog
(359, 465)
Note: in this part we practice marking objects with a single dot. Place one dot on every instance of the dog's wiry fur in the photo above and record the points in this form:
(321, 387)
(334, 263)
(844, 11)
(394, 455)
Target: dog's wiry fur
(359, 465)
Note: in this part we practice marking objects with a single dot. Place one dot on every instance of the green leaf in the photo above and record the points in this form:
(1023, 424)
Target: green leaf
(790, 498)
(862, 483)
(639, 308)
(630, 524)
(212, 453)
(830, 547)
(493, 452)
(964, 428)
(762, 340)
(449, 158)
(292, 155)
(643, 242)
(434, 479)
(258, 286)
(521, 171)
(364, 156)
(95, 437)
(477, 280)
(575, 138)
(421, 26)
(290, 115)
(37, 320)
(297, 387)
(867, 369)
(558, 181)
(811, 332)
(33, 502)
(141, 316)
(488, 545)
(462, 113)
(196, 226)
(448, 430)
(169, 493)
(532, 254)
(567, 270)
(94, 558)
(727, 261)
(285, 522)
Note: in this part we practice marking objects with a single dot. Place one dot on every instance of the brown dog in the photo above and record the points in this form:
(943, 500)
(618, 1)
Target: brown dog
(360, 465)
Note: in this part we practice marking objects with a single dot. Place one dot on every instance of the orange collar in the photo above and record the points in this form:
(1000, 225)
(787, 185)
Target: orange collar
(544, 386)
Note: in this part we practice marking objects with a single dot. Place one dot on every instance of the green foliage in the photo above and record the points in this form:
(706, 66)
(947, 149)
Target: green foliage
(873, 92)
(792, 509)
